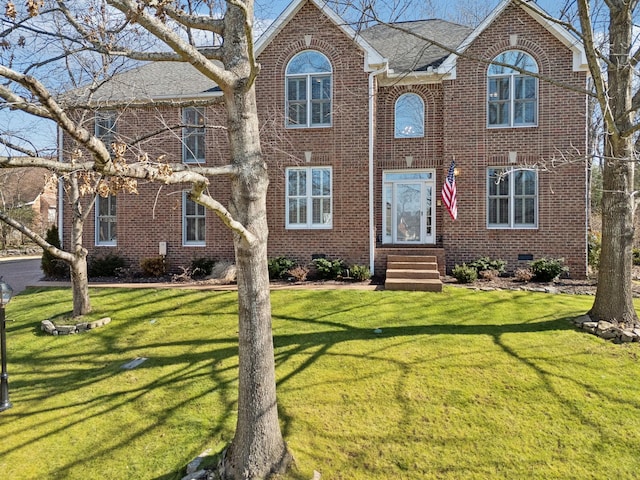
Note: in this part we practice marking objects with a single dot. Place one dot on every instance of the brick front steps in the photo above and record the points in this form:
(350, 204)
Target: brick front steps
(413, 272)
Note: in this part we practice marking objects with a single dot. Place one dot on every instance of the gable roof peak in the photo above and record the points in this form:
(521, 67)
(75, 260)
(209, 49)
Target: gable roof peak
(373, 60)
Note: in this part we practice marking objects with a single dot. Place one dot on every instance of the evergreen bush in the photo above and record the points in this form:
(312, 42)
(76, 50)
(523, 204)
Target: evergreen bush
(279, 267)
(546, 269)
(53, 267)
(106, 266)
(464, 273)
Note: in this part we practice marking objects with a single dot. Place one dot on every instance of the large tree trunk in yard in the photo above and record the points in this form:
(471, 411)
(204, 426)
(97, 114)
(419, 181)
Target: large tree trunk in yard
(614, 296)
(257, 449)
(614, 299)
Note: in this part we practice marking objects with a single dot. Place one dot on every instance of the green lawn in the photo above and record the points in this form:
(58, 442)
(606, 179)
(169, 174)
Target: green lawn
(458, 385)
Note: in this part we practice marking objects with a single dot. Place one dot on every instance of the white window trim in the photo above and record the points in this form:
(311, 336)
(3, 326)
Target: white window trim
(98, 217)
(309, 225)
(109, 137)
(186, 130)
(308, 82)
(192, 243)
(395, 116)
(512, 101)
(509, 171)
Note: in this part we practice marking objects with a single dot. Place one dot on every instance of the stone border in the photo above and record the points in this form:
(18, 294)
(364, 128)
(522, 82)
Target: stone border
(47, 326)
(607, 330)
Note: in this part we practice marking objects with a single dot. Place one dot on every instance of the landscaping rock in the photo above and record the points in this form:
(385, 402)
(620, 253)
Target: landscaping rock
(47, 326)
(82, 327)
(195, 475)
(581, 320)
(100, 323)
(609, 334)
(627, 336)
(66, 329)
(590, 327)
(604, 325)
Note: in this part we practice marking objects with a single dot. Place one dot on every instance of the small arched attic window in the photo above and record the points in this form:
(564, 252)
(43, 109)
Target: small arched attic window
(409, 116)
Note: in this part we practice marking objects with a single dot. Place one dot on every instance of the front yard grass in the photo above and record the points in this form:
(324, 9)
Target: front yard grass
(462, 384)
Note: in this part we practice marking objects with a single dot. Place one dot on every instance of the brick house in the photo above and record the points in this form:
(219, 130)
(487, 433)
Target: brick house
(359, 131)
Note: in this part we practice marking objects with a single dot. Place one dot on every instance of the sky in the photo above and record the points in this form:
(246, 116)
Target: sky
(42, 134)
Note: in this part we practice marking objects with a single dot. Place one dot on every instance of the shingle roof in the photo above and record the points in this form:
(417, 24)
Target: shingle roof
(404, 43)
(151, 80)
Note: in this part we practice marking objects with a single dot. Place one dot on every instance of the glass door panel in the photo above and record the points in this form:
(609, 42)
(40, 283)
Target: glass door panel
(408, 212)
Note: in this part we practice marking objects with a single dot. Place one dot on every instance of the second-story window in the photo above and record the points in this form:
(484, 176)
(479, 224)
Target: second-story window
(409, 116)
(308, 90)
(105, 127)
(512, 94)
(193, 135)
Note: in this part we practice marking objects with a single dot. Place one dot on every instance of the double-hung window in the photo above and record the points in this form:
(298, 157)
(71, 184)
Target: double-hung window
(193, 221)
(512, 198)
(512, 95)
(193, 133)
(308, 90)
(409, 116)
(105, 127)
(106, 209)
(309, 195)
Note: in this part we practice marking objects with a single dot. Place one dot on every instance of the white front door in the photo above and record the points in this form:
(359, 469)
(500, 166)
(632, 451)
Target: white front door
(408, 203)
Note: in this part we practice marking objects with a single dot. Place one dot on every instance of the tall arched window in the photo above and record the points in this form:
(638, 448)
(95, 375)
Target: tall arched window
(308, 90)
(512, 96)
(409, 116)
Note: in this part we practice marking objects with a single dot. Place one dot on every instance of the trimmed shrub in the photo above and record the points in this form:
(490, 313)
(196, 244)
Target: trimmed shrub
(329, 269)
(279, 267)
(464, 273)
(53, 267)
(153, 266)
(546, 269)
(486, 263)
(201, 267)
(360, 273)
(109, 265)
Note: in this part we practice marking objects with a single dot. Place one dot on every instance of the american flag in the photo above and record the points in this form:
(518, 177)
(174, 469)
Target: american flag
(449, 192)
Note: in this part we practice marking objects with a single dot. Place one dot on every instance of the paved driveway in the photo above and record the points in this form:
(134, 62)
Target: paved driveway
(20, 272)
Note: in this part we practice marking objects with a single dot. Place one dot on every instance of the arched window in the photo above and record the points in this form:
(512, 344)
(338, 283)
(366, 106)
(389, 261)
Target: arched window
(409, 116)
(512, 94)
(308, 90)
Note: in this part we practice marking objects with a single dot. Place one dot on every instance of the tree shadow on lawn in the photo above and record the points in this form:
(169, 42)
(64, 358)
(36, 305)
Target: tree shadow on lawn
(212, 365)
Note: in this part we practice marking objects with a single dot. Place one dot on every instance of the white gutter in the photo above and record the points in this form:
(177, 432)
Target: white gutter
(372, 224)
(60, 211)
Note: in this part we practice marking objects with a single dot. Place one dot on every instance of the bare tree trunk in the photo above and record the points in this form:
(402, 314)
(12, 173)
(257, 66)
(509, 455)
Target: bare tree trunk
(614, 87)
(78, 265)
(80, 285)
(258, 448)
(614, 296)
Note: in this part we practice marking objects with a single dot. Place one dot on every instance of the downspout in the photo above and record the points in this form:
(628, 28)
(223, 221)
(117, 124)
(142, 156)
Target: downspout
(60, 211)
(372, 225)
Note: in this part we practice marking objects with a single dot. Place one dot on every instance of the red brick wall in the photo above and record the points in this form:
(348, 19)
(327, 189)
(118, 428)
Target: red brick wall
(560, 133)
(455, 126)
(343, 146)
(155, 214)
